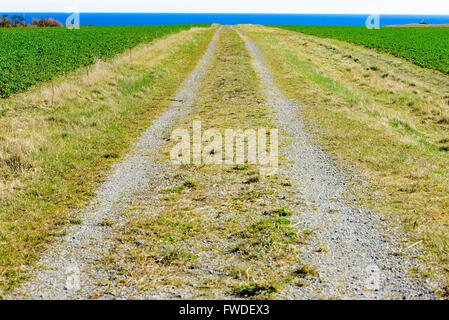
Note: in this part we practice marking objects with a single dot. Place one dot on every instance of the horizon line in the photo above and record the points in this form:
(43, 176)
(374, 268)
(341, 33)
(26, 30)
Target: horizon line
(247, 13)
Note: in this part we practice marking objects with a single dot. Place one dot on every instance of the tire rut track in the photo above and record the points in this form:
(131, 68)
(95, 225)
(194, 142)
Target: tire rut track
(75, 255)
(365, 259)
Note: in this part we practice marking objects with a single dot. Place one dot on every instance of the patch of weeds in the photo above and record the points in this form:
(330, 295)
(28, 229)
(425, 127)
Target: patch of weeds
(236, 218)
(270, 231)
(444, 145)
(398, 254)
(172, 254)
(111, 155)
(189, 185)
(255, 193)
(2, 113)
(253, 289)
(169, 239)
(75, 221)
(179, 189)
(240, 167)
(408, 188)
(106, 283)
(306, 271)
(322, 249)
(444, 292)
(253, 179)
(283, 212)
(420, 272)
(17, 163)
(235, 248)
(174, 190)
(281, 221)
(398, 123)
(308, 232)
(179, 176)
(136, 208)
(301, 282)
(59, 234)
(106, 223)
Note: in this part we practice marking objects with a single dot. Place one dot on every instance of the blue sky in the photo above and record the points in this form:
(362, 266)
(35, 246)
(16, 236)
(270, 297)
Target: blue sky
(232, 6)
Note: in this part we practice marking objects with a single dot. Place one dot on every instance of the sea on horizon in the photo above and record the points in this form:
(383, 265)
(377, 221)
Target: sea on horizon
(120, 19)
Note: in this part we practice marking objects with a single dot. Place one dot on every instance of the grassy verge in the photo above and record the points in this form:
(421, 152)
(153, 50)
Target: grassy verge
(57, 139)
(214, 231)
(384, 116)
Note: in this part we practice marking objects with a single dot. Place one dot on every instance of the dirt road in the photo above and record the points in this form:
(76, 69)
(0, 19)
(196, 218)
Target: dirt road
(157, 230)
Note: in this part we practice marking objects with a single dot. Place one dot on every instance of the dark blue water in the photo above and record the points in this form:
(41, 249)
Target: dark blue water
(119, 19)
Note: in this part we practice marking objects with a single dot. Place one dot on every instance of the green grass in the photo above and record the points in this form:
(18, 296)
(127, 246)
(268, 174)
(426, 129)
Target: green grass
(283, 212)
(253, 289)
(426, 47)
(174, 190)
(179, 189)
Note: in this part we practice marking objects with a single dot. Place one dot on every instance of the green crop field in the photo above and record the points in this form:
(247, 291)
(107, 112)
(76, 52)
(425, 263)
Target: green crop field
(426, 47)
(30, 55)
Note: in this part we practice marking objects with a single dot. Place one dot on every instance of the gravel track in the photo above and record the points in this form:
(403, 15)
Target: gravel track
(69, 269)
(365, 259)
